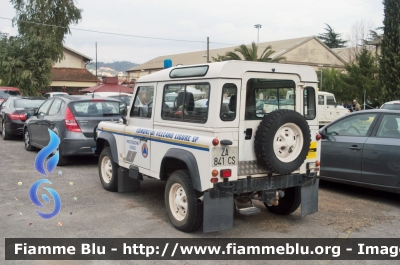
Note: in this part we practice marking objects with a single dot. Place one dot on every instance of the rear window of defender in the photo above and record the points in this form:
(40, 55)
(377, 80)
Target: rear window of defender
(266, 95)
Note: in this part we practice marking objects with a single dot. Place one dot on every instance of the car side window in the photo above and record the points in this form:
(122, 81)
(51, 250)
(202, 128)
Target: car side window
(190, 103)
(330, 100)
(55, 107)
(389, 127)
(143, 102)
(228, 102)
(320, 100)
(354, 125)
(45, 107)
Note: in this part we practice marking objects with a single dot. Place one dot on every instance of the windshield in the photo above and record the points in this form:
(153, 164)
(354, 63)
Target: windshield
(395, 106)
(28, 103)
(8, 93)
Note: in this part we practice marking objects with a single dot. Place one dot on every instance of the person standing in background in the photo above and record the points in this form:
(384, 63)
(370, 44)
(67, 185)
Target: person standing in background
(357, 106)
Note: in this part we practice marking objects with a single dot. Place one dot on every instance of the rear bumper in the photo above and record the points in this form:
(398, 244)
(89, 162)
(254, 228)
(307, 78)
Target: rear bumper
(15, 127)
(70, 146)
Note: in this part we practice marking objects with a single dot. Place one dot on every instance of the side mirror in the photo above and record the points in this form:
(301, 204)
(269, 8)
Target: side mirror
(123, 120)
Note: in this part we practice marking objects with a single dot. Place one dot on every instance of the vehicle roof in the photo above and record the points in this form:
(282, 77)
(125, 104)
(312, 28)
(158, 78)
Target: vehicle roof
(325, 93)
(236, 69)
(110, 93)
(393, 102)
(8, 88)
(27, 97)
(86, 98)
(51, 93)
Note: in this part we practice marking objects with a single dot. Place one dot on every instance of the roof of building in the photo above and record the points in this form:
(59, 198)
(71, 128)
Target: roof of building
(280, 47)
(108, 88)
(72, 74)
(85, 58)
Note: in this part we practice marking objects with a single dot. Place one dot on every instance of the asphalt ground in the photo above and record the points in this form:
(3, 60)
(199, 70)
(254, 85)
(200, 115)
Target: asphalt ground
(90, 211)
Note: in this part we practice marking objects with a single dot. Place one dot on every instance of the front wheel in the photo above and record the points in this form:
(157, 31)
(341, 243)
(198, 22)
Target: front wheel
(28, 141)
(184, 211)
(289, 203)
(108, 170)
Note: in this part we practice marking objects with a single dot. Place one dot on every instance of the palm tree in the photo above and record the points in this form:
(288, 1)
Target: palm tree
(250, 54)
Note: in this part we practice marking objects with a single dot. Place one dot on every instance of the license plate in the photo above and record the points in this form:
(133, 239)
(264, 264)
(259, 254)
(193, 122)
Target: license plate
(225, 156)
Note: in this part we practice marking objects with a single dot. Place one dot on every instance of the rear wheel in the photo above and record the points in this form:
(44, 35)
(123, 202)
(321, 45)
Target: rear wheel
(4, 134)
(62, 160)
(289, 203)
(184, 211)
(108, 170)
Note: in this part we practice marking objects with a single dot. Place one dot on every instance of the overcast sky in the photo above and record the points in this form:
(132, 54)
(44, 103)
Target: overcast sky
(227, 23)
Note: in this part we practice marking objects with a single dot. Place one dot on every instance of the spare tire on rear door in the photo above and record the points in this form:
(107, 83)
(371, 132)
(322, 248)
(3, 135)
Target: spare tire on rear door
(282, 141)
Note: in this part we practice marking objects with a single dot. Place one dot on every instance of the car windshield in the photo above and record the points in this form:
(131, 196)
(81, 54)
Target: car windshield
(395, 106)
(97, 108)
(28, 103)
(8, 93)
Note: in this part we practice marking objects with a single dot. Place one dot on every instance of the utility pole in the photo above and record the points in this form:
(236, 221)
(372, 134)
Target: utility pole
(258, 26)
(320, 85)
(96, 59)
(208, 49)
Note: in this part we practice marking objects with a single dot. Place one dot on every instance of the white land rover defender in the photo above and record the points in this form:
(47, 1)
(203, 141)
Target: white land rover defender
(215, 144)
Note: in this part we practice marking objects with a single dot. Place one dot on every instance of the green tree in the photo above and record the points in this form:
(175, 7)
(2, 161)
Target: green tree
(26, 60)
(331, 38)
(390, 59)
(249, 54)
(332, 81)
(362, 75)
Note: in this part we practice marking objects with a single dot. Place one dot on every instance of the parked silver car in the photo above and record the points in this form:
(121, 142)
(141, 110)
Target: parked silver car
(74, 120)
(363, 149)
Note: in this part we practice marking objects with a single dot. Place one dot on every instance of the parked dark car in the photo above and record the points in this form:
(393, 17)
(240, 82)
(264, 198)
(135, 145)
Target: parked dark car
(6, 92)
(363, 149)
(74, 120)
(13, 113)
(394, 105)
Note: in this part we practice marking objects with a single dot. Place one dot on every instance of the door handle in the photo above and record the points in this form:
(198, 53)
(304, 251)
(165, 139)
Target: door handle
(355, 147)
(248, 133)
(143, 139)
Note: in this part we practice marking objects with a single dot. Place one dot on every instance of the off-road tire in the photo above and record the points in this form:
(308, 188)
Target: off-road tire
(194, 211)
(265, 142)
(289, 203)
(4, 134)
(108, 180)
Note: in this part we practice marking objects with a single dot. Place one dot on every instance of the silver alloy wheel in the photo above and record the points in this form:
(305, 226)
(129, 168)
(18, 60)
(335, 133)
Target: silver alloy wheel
(288, 142)
(178, 201)
(106, 169)
(27, 139)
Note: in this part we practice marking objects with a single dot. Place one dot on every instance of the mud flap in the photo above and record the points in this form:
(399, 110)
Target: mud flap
(125, 183)
(217, 211)
(309, 197)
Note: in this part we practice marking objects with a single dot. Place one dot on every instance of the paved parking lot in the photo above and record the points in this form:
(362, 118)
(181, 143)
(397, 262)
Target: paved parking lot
(90, 211)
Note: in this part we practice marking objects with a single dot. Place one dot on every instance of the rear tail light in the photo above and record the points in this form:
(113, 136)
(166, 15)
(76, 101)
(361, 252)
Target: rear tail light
(70, 122)
(215, 142)
(17, 116)
(317, 163)
(214, 180)
(214, 173)
(226, 173)
(97, 100)
(318, 137)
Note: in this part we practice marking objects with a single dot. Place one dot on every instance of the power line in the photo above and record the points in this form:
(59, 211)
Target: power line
(108, 33)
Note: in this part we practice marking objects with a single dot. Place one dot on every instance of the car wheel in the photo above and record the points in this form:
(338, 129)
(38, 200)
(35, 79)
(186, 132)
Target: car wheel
(108, 170)
(27, 141)
(288, 203)
(4, 134)
(282, 141)
(181, 200)
(62, 160)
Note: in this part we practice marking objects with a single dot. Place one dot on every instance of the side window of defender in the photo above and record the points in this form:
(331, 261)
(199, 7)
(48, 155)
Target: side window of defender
(228, 102)
(309, 103)
(320, 100)
(186, 102)
(143, 103)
